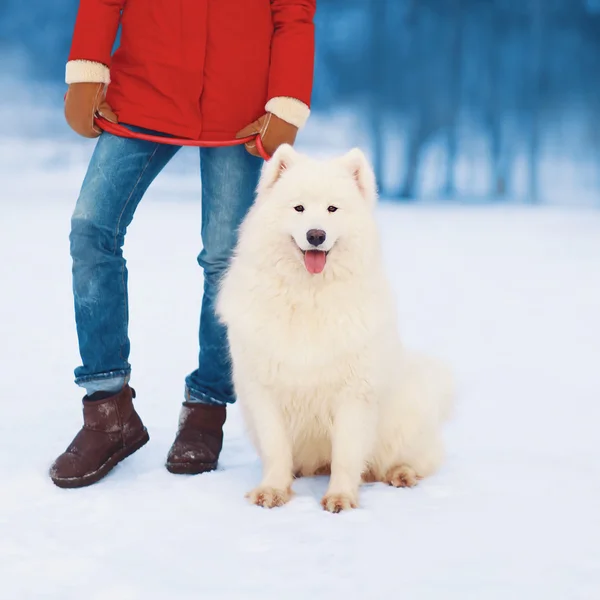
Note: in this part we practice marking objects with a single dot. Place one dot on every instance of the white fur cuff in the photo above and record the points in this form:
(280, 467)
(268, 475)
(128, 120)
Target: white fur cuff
(86, 71)
(290, 110)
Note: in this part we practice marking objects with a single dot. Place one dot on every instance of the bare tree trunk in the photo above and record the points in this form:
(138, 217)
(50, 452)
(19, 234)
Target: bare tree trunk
(377, 88)
(414, 142)
(415, 145)
(536, 78)
(500, 176)
(456, 63)
(499, 161)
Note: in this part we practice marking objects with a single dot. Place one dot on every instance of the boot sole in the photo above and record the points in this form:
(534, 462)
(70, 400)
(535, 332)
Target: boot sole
(109, 465)
(190, 468)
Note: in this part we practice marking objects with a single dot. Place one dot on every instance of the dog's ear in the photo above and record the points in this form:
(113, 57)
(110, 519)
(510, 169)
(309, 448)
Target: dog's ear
(357, 164)
(283, 158)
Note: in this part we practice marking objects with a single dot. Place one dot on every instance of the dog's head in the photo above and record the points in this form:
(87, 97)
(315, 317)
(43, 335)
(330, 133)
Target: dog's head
(316, 215)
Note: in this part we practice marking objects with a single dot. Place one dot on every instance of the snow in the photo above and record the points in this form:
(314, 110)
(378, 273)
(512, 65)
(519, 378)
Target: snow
(510, 296)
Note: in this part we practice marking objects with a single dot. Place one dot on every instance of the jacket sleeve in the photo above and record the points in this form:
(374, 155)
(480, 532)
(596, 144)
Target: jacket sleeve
(292, 57)
(93, 39)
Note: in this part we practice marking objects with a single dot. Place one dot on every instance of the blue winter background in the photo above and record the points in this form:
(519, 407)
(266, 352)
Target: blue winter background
(482, 119)
(487, 100)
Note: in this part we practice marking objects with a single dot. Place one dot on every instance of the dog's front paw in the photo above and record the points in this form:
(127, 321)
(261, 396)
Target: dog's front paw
(336, 503)
(269, 497)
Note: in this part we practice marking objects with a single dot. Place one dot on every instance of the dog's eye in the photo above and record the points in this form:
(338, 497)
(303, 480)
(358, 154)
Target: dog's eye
(299, 208)
(332, 208)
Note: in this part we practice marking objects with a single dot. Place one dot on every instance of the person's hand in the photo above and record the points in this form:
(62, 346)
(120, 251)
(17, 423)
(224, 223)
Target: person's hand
(83, 102)
(273, 133)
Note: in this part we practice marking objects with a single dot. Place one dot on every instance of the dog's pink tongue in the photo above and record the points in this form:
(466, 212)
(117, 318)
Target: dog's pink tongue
(314, 261)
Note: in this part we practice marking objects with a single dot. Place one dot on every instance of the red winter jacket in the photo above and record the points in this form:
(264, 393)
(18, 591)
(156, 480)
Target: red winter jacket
(201, 69)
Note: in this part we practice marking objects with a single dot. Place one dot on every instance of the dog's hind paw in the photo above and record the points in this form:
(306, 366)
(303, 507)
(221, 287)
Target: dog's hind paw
(335, 503)
(269, 497)
(402, 476)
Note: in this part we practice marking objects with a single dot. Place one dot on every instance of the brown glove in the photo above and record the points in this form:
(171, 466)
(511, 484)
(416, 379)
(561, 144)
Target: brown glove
(82, 103)
(273, 132)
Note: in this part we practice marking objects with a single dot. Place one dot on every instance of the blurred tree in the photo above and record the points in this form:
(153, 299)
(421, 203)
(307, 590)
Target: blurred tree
(377, 74)
(493, 24)
(427, 104)
(536, 90)
(455, 92)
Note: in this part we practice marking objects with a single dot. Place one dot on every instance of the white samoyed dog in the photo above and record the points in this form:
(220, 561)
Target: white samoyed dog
(323, 380)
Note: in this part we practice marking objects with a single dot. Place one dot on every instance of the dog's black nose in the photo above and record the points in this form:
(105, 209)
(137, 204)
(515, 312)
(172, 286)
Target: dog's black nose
(315, 237)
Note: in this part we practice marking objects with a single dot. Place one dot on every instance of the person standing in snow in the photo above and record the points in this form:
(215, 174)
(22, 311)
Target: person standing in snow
(199, 69)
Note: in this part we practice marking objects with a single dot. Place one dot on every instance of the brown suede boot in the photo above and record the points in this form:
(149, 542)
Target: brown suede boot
(199, 440)
(112, 430)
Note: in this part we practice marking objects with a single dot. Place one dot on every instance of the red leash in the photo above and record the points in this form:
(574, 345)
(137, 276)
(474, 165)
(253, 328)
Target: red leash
(119, 130)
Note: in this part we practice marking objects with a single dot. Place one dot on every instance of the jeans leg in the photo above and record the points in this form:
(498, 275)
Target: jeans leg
(229, 179)
(119, 173)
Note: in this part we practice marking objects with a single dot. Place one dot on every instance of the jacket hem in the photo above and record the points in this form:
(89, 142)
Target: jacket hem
(173, 129)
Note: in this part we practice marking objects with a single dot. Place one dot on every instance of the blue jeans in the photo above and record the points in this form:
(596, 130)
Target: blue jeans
(119, 173)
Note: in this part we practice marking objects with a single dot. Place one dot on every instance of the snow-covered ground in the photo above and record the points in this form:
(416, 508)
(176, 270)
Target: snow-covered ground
(510, 296)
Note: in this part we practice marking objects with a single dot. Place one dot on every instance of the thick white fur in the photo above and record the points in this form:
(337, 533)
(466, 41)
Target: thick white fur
(322, 378)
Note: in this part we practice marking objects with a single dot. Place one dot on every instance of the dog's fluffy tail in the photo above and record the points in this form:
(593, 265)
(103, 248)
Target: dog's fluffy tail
(439, 379)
